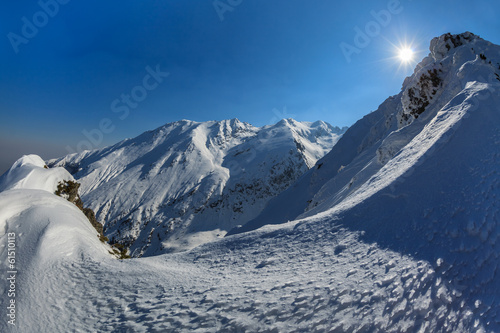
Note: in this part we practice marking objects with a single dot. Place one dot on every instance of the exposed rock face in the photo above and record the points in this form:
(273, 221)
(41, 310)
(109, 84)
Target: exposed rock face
(68, 189)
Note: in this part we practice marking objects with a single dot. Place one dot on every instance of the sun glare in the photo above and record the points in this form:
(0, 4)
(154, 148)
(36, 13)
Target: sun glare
(406, 54)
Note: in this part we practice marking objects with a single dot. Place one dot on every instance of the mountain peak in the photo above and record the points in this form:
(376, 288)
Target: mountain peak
(286, 122)
(442, 45)
(454, 60)
(189, 182)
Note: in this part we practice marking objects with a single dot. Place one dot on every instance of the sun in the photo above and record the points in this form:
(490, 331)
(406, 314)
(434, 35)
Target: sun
(406, 54)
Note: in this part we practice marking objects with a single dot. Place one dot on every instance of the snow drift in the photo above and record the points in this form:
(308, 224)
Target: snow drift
(31, 172)
(41, 232)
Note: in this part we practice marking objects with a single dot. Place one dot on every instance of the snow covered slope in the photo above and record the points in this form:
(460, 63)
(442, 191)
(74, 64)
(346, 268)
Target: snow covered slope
(186, 183)
(313, 276)
(439, 83)
(421, 175)
(39, 233)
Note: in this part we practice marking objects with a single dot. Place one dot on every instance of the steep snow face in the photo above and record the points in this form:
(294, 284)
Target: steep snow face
(438, 199)
(440, 80)
(186, 183)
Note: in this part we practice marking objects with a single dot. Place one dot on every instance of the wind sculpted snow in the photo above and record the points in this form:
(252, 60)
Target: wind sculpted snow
(314, 276)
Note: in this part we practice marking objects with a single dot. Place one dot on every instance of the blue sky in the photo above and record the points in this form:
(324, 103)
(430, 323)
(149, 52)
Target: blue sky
(67, 66)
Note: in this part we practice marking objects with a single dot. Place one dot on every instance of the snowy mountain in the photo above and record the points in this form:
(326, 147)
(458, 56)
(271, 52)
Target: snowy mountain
(458, 68)
(420, 175)
(187, 183)
(395, 230)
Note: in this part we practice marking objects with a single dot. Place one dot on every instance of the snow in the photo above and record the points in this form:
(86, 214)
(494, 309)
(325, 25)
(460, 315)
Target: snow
(395, 230)
(373, 141)
(29, 172)
(302, 277)
(49, 231)
(429, 188)
(187, 183)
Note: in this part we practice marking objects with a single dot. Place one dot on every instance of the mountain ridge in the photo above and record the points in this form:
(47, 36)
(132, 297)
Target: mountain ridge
(376, 138)
(187, 182)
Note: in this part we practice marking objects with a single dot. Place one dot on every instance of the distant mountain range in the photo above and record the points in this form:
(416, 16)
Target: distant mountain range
(187, 183)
